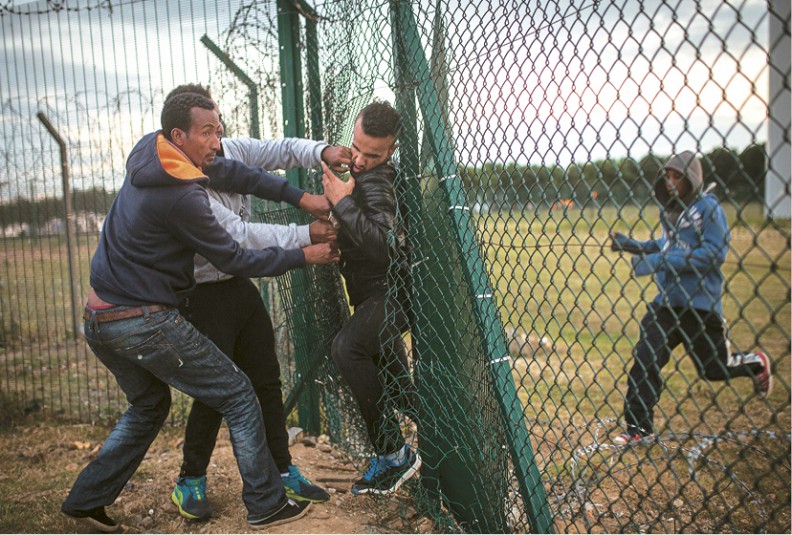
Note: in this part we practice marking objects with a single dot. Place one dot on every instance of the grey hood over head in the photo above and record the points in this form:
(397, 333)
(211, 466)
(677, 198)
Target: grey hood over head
(690, 166)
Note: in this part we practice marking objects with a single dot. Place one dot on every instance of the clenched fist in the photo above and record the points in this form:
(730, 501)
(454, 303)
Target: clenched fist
(321, 254)
(337, 157)
(322, 231)
(316, 205)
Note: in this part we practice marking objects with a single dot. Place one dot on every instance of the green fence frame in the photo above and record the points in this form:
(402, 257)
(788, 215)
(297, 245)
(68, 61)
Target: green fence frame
(414, 66)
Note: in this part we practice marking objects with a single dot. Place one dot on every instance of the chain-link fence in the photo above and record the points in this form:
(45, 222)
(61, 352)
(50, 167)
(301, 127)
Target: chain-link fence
(532, 132)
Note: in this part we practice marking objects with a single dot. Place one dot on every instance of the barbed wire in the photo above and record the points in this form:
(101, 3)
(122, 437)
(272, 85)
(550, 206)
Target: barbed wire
(57, 6)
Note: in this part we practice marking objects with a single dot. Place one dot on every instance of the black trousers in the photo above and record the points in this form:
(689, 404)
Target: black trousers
(371, 356)
(231, 314)
(663, 329)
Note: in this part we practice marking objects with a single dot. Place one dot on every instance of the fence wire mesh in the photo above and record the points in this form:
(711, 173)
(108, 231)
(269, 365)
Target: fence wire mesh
(532, 131)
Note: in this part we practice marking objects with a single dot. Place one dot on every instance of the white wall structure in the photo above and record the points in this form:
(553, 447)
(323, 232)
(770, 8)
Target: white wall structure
(777, 194)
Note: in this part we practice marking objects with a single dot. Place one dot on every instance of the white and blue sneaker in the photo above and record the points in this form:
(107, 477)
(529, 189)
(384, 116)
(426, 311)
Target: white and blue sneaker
(386, 473)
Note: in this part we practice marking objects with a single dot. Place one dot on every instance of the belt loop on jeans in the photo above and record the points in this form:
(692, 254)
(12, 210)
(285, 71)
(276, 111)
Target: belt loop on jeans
(91, 320)
(145, 309)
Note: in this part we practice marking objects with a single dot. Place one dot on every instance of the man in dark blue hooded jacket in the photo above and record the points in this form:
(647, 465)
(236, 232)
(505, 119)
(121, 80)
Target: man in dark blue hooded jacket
(142, 268)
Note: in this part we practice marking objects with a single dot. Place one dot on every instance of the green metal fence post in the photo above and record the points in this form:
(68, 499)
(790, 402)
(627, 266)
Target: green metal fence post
(408, 191)
(255, 133)
(314, 78)
(294, 126)
(244, 78)
(456, 449)
(488, 322)
(291, 79)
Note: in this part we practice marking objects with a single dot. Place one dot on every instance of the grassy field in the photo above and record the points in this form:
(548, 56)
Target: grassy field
(558, 281)
(571, 310)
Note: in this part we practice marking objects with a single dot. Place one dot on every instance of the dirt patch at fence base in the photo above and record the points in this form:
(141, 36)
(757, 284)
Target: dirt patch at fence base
(645, 488)
(41, 463)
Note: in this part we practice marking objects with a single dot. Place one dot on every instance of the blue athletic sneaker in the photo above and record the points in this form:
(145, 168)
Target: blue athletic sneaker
(300, 489)
(385, 477)
(189, 495)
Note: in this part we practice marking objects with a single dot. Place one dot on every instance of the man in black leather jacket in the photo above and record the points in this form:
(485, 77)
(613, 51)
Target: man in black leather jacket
(369, 351)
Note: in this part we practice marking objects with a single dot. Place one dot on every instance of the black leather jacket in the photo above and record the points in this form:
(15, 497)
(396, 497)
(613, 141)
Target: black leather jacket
(366, 218)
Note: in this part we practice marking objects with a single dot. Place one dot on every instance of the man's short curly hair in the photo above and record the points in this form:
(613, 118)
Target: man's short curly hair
(176, 111)
(190, 88)
(379, 119)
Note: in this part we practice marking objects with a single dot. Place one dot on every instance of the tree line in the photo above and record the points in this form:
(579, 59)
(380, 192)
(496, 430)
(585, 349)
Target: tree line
(37, 213)
(740, 176)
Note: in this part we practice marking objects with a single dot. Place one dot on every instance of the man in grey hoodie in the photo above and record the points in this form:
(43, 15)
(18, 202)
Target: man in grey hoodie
(230, 312)
(686, 262)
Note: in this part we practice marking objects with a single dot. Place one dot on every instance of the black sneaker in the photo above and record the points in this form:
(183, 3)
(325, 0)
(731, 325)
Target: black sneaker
(96, 519)
(288, 513)
(385, 477)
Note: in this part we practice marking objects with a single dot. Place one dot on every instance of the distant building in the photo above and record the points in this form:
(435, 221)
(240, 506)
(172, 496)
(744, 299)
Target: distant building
(16, 230)
(53, 227)
(89, 222)
(85, 223)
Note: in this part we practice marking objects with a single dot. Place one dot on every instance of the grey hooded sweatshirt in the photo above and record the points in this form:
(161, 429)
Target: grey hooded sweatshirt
(690, 167)
(233, 210)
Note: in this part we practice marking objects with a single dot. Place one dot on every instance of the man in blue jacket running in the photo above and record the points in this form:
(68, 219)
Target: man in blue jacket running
(686, 262)
(142, 268)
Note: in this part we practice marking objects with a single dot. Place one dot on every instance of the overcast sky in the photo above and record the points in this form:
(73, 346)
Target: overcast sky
(542, 81)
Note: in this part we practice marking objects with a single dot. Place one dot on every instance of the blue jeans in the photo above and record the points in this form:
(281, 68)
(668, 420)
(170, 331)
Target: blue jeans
(146, 354)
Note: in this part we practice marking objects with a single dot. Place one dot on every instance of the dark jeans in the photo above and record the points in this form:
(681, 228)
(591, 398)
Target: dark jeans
(146, 354)
(232, 315)
(662, 330)
(371, 356)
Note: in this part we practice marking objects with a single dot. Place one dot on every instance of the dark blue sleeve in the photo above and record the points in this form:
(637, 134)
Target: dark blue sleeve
(236, 177)
(193, 223)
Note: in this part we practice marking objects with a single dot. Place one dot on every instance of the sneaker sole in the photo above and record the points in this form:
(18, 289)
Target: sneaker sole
(299, 498)
(769, 368)
(412, 471)
(184, 513)
(91, 524)
(281, 522)
(95, 525)
(766, 394)
(639, 442)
